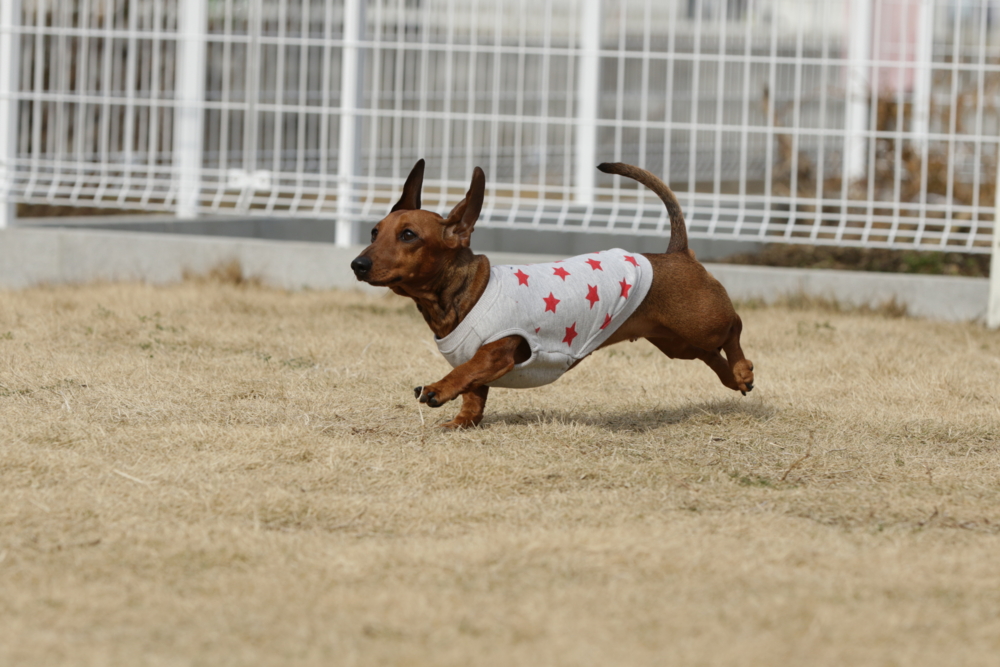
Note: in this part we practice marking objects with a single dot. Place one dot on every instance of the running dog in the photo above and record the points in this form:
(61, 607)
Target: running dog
(524, 326)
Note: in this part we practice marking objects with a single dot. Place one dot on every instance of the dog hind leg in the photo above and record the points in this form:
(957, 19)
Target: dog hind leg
(742, 368)
(676, 349)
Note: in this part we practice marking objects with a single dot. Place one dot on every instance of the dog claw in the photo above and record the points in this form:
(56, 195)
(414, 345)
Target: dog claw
(743, 392)
(416, 391)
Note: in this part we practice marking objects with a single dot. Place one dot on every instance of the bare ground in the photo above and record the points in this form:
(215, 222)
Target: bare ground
(883, 260)
(211, 474)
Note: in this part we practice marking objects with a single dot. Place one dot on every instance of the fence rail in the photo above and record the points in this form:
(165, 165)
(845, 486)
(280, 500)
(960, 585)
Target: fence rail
(870, 122)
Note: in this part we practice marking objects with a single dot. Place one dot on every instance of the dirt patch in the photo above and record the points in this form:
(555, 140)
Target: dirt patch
(59, 211)
(866, 259)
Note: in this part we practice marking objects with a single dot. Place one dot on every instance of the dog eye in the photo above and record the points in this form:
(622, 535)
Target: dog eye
(374, 234)
(407, 235)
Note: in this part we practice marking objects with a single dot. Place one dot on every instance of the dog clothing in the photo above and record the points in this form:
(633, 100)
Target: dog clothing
(565, 310)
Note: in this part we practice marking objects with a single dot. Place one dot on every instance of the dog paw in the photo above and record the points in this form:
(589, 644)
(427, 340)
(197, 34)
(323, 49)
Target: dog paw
(460, 422)
(428, 396)
(744, 376)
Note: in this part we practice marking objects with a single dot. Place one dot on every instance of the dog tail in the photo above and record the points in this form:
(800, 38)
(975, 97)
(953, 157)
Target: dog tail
(678, 231)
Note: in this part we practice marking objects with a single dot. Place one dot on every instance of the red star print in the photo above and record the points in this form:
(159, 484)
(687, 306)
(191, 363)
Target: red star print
(570, 334)
(607, 320)
(537, 329)
(561, 272)
(625, 288)
(550, 303)
(592, 295)
(594, 264)
(522, 277)
(631, 260)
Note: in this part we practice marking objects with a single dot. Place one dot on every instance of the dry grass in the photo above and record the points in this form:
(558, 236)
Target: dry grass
(215, 474)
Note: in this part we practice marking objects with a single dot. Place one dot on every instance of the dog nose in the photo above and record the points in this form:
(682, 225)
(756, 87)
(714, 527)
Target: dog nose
(361, 266)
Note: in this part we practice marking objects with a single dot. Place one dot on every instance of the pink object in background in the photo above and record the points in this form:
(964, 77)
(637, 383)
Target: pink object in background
(895, 35)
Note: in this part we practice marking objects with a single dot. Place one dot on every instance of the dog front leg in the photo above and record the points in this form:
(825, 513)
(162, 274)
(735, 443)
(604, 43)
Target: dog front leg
(473, 403)
(490, 362)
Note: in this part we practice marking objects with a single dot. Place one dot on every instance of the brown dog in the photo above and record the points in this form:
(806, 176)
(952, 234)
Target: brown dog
(686, 313)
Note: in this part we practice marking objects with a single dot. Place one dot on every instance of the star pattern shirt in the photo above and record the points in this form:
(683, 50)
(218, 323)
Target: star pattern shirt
(565, 310)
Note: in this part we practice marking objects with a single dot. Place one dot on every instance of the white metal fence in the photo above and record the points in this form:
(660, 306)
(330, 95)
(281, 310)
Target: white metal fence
(869, 122)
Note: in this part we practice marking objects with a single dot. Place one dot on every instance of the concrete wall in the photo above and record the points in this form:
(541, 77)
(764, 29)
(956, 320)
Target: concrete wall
(951, 298)
(33, 256)
(55, 256)
(487, 239)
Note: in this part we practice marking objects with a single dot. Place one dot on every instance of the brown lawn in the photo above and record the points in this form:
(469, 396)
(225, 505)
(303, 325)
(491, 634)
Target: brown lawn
(212, 474)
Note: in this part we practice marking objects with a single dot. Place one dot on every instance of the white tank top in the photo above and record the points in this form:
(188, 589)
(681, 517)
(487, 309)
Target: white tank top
(565, 310)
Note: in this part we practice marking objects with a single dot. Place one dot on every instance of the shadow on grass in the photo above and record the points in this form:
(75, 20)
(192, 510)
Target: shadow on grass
(716, 411)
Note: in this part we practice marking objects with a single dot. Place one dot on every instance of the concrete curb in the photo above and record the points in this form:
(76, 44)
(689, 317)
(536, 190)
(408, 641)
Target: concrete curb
(34, 256)
(59, 256)
(952, 298)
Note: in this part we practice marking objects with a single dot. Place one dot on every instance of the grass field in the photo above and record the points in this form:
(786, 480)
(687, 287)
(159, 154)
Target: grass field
(215, 474)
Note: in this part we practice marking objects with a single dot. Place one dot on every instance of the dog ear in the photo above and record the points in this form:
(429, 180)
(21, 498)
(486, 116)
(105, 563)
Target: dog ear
(410, 199)
(461, 221)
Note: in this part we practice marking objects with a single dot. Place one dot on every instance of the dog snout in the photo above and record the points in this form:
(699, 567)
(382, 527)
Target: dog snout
(361, 266)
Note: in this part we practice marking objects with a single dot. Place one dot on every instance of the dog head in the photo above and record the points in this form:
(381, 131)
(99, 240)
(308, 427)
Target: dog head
(411, 248)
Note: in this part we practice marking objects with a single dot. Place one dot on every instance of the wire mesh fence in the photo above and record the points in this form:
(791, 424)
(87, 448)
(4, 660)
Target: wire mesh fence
(870, 122)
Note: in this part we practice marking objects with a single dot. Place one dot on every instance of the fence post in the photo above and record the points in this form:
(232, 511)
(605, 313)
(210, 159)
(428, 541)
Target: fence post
(587, 93)
(858, 87)
(10, 14)
(922, 73)
(190, 95)
(993, 306)
(350, 97)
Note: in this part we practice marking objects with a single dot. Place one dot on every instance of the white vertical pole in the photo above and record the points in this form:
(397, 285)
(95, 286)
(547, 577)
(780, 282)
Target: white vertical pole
(348, 153)
(858, 86)
(993, 306)
(192, 17)
(10, 15)
(587, 92)
(922, 73)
